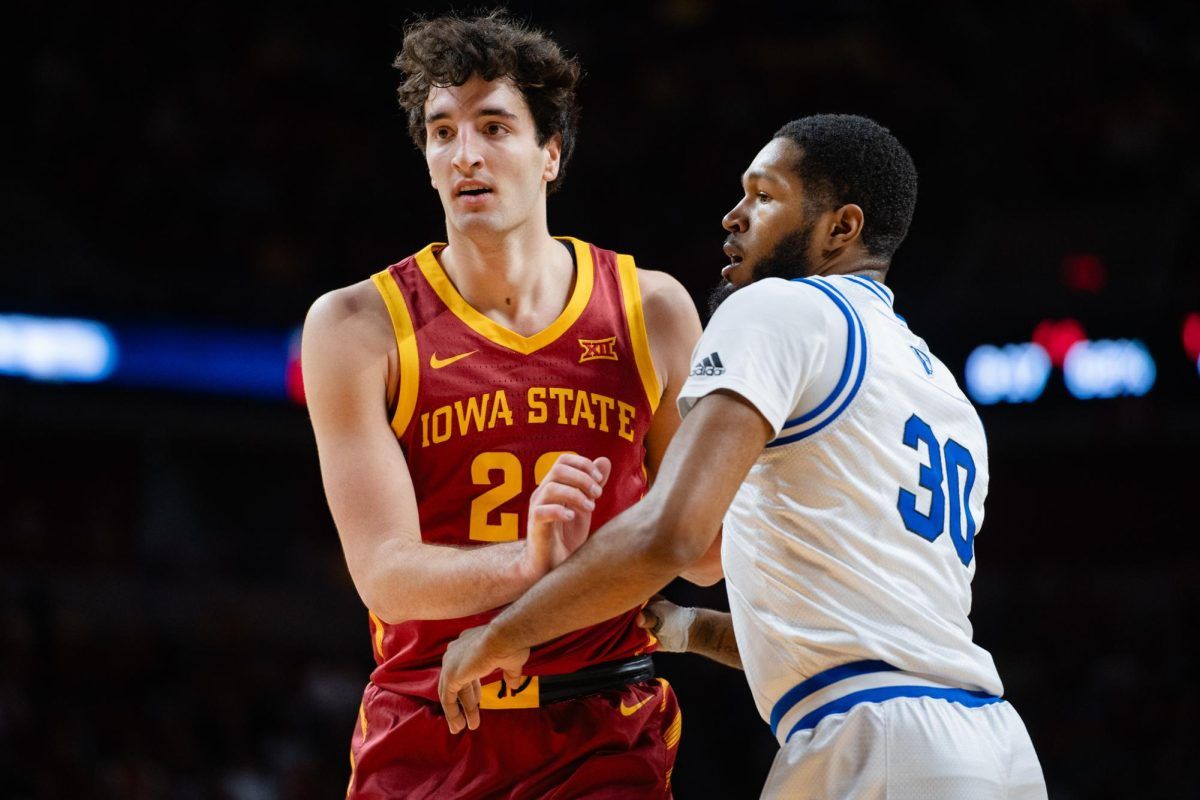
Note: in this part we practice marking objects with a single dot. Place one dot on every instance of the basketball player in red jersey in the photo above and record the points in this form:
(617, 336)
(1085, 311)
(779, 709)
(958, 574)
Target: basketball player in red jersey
(446, 388)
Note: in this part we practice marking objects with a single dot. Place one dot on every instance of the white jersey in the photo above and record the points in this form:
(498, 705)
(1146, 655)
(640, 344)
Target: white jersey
(849, 548)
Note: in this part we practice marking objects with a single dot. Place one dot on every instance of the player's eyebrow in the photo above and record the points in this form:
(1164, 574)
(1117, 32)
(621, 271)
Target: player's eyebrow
(757, 175)
(483, 112)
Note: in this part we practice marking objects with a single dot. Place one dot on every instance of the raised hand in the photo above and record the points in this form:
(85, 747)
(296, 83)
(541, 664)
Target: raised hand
(560, 510)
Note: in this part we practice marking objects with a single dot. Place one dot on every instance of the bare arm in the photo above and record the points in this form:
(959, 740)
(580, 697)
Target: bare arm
(702, 631)
(673, 328)
(654, 540)
(346, 346)
(674, 525)
(712, 637)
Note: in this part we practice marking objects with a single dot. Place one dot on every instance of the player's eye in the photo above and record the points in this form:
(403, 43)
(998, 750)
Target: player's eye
(494, 129)
(442, 133)
(763, 197)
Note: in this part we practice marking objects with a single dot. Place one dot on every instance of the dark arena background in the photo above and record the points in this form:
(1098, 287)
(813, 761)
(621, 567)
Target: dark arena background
(182, 180)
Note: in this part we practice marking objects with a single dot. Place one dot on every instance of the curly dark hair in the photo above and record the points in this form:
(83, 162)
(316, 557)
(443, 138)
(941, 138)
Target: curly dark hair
(448, 50)
(851, 159)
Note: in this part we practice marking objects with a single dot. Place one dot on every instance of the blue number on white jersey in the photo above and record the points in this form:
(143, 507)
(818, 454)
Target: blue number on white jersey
(930, 477)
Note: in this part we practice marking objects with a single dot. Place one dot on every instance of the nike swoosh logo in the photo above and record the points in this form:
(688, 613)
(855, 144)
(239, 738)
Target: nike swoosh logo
(627, 710)
(438, 363)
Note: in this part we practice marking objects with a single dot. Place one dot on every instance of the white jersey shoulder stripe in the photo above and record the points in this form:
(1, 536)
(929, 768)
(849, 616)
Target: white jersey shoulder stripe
(853, 372)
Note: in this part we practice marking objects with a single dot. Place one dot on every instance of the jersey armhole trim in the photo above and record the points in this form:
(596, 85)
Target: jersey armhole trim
(406, 349)
(854, 367)
(636, 321)
(377, 639)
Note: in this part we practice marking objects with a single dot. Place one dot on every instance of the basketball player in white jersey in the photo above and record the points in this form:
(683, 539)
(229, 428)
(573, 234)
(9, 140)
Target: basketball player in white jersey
(850, 472)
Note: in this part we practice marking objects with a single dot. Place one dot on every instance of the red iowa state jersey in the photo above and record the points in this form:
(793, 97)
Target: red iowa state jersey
(483, 413)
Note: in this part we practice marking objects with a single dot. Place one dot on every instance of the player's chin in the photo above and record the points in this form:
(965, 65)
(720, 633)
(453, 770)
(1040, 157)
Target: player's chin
(477, 221)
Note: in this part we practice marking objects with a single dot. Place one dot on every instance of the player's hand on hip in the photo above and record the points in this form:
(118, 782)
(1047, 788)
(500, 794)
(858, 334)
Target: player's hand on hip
(670, 624)
(560, 510)
(469, 658)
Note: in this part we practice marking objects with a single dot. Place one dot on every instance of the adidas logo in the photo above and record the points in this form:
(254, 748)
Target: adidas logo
(709, 365)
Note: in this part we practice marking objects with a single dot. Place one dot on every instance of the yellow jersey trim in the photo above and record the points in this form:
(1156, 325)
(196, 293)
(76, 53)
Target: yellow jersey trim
(494, 331)
(496, 697)
(674, 730)
(378, 623)
(632, 296)
(406, 347)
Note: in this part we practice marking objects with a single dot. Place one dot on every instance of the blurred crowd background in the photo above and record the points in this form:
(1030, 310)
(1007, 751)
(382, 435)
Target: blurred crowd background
(176, 620)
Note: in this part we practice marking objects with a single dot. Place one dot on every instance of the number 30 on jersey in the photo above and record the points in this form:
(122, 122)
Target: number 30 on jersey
(930, 477)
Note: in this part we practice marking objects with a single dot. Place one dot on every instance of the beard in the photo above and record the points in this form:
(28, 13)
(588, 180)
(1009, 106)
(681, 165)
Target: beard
(788, 259)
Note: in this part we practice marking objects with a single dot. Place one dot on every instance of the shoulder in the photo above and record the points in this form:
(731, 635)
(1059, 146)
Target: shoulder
(662, 293)
(352, 321)
(668, 308)
(778, 303)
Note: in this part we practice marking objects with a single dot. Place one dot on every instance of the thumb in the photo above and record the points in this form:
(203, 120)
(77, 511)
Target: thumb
(513, 680)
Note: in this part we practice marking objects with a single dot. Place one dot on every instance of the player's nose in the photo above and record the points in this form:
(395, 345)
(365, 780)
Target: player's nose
(467, 155)
(735, 220)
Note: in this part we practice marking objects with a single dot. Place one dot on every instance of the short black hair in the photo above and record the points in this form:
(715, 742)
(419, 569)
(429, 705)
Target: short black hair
(448, 50)
(851, 159)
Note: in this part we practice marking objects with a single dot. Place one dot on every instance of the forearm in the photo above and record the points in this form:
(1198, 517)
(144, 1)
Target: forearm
(419, 581)
(645, 547)
(618, 568)
(711, 636)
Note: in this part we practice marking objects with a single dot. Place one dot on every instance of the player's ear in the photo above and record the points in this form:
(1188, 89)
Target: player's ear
(847, 226)
(553, 151)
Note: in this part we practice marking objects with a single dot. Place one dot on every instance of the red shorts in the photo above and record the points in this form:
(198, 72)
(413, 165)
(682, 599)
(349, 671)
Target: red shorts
(620, 743)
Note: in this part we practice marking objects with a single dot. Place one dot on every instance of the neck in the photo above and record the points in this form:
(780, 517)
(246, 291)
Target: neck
(522, 278)
(856, 264)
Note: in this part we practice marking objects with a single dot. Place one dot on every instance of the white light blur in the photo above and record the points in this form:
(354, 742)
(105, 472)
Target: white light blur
(1014, 373)
(56, 349)
(1109, 368)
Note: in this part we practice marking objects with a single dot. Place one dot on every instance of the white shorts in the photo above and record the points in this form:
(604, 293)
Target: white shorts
(910, 748)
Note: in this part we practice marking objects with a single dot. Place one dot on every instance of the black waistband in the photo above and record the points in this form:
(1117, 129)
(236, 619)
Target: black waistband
(594, 679)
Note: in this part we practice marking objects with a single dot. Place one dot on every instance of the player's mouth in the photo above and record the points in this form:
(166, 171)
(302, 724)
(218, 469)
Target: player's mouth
(736, 257)
(472, 193)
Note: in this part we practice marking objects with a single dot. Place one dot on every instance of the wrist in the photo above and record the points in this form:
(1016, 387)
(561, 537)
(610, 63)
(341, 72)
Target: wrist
(675, 632)
(530, 567)
(496, 639)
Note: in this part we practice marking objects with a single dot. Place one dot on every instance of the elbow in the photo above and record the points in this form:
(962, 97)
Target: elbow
(389, 614)
(704, 573)
(671, 544)
(382, 603)
(381, 590)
